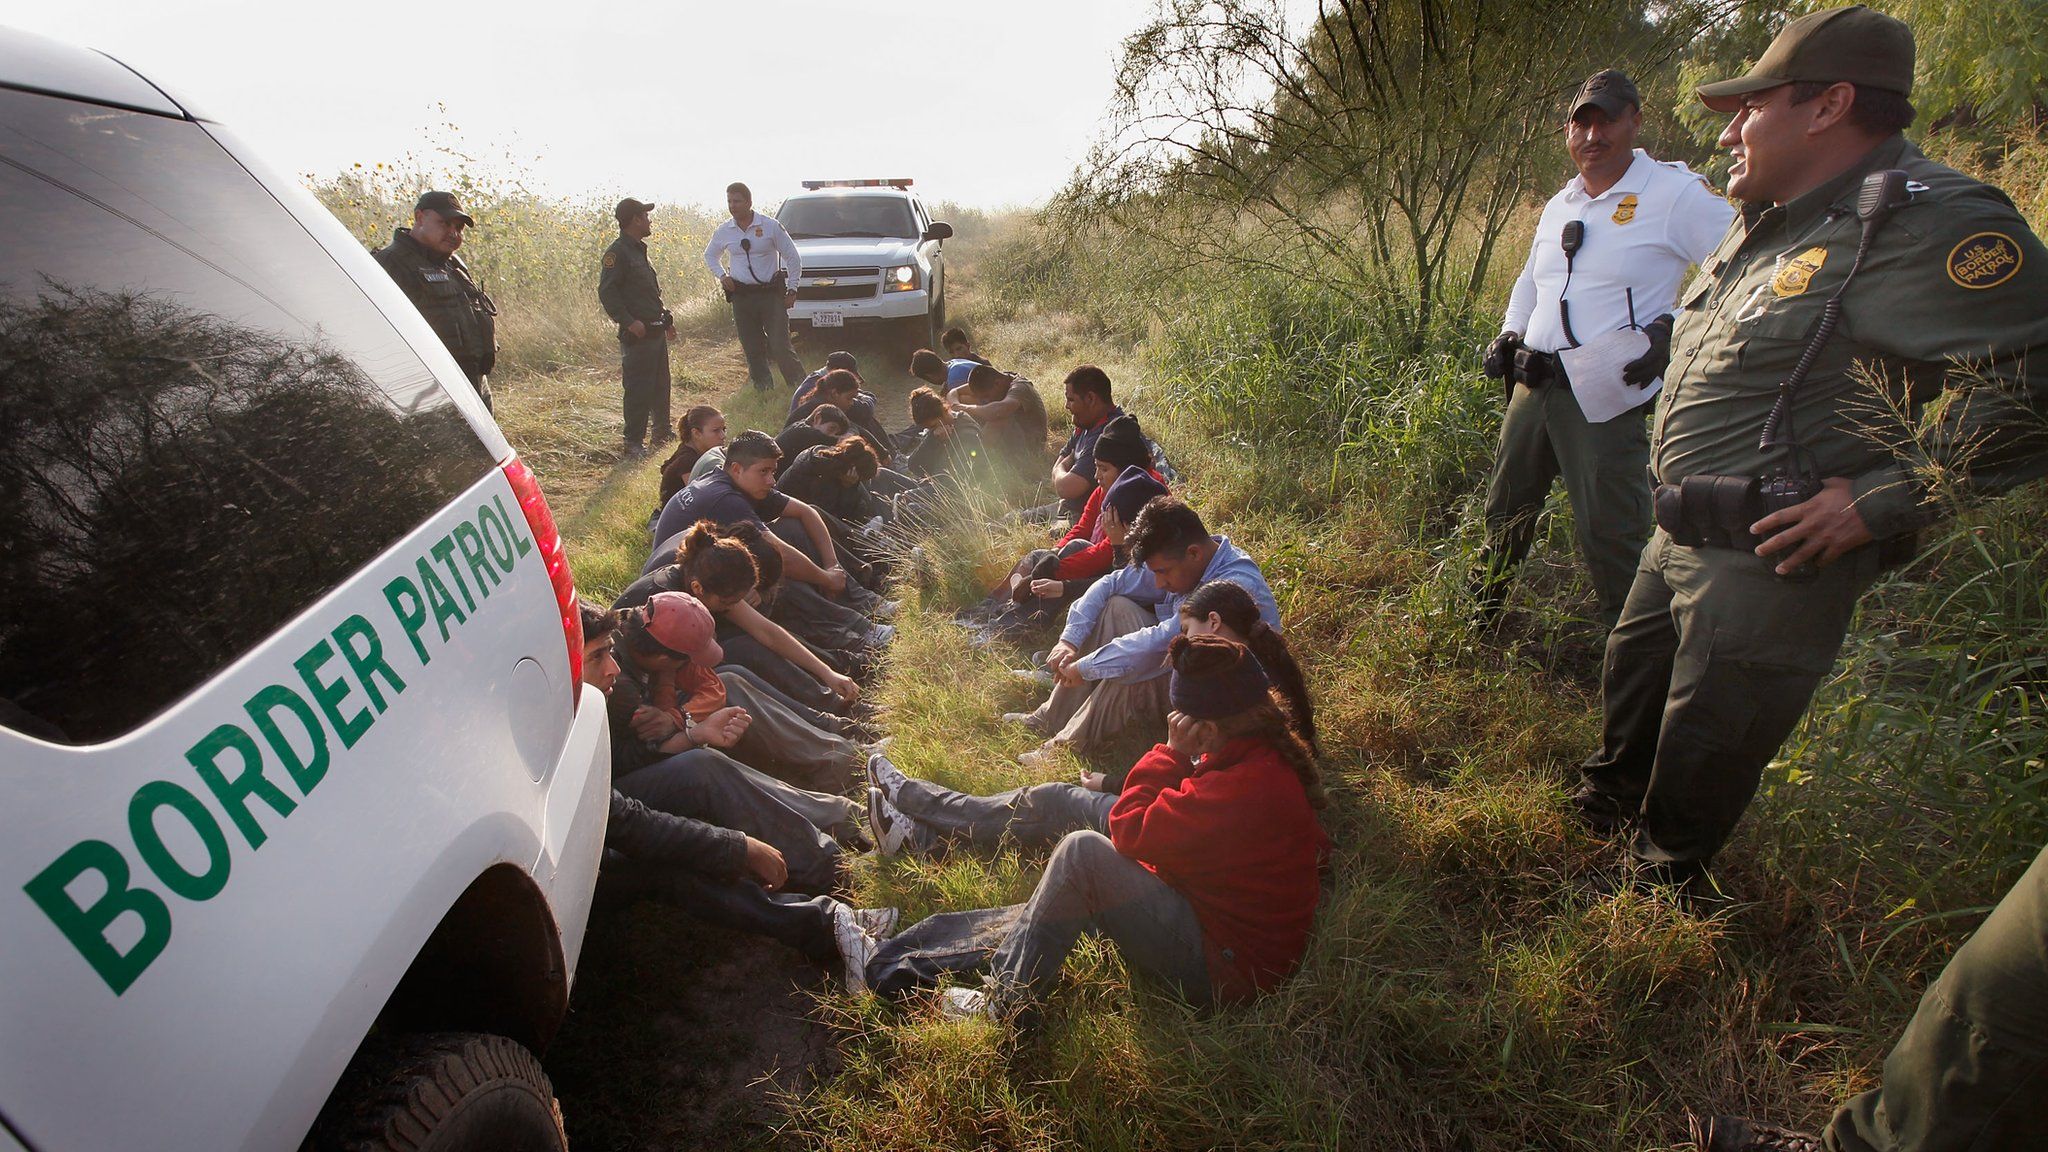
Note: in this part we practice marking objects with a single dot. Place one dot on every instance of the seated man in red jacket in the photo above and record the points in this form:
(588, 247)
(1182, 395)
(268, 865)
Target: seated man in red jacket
(1207, 879)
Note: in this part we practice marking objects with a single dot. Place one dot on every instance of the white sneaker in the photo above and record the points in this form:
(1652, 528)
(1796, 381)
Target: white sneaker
(880, 636)
(879, 923)
(856, 947)
(1039, 757)
(883, 773)
(888, 828)
(872, 526)
(884, 610)
(1025, 720)
(963, 1003)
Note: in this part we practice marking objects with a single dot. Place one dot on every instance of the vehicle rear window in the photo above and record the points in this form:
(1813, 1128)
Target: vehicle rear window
(819, 216)
(205, 424)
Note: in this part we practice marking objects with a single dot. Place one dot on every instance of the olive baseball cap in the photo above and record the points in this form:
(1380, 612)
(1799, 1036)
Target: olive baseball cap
(1854, 45)
(446, 204)
(1609, 90)
(629, 208)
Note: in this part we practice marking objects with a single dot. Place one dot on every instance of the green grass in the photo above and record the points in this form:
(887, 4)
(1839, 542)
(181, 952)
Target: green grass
(1465, 987)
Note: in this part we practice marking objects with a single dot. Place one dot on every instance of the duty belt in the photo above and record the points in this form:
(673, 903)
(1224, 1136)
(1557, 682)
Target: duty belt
(1535, 369)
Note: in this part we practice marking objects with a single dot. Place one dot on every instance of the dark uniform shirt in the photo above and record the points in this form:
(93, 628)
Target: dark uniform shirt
(1950, 296)
(459, 312)
(628, 287)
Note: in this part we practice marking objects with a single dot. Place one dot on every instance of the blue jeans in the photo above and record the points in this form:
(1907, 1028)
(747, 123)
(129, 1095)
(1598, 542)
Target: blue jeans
(1030, 817)
(1089, 888)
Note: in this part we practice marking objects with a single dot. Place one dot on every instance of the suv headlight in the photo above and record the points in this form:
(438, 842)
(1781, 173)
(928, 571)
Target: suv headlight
(902, 278)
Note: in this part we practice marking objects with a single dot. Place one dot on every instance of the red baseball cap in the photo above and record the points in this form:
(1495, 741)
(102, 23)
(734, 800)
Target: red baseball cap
(680, 622)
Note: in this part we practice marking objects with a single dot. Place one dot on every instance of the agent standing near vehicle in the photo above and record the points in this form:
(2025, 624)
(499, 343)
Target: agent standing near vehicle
(759, 278)
(631, 295)
(1608, 254)
(422, 260)
(1781, 498)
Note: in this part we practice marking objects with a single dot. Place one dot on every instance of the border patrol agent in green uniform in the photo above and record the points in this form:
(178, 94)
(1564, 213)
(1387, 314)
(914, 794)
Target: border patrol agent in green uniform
(422, 260)
(631, 295)
(1739, 610)
(1970, 1074)
(1635, 224)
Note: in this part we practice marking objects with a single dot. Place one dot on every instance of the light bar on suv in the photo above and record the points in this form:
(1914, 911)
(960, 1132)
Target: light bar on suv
(814, 185)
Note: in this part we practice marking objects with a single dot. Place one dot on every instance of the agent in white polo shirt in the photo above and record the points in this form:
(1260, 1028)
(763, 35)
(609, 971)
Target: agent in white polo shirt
(1609, 254)
(759, 274)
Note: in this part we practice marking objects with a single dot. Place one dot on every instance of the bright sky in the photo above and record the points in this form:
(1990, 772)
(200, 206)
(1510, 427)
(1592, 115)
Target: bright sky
(984, 103)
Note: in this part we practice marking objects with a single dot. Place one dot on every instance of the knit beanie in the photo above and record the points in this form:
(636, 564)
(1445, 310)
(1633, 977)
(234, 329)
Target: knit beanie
(1123, 444)
(1131, 492)
(1214, 677)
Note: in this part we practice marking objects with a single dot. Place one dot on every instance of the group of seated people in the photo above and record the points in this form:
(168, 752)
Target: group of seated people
(746, 764)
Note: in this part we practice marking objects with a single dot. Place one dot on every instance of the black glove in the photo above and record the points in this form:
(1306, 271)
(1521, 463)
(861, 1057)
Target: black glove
(1638, 373)
(1500, 355)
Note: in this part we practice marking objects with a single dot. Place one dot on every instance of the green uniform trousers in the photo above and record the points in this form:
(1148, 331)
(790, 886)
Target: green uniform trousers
(1971, 1071)
(1544, 435)
(1709, 668)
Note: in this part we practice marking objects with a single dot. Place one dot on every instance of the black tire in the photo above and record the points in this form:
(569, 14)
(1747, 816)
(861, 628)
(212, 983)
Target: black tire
(441, 1092)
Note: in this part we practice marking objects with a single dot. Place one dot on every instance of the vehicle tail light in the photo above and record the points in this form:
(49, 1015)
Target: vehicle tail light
(541, 522)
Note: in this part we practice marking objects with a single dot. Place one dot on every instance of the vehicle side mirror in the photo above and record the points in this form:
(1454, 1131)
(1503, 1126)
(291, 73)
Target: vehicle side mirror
(940, 230)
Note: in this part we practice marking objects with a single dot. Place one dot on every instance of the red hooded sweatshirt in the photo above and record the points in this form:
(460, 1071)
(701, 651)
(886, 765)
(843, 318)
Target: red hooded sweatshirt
(1234, 833)
(1100, 555)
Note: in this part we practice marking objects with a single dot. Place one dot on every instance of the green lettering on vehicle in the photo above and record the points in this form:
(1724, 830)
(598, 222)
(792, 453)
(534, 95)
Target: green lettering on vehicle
(234, 794)
(438, 599)
(471, 544)
(411, 620)
(330, 693)
(444, 551)
(142, 809)
(523, 544)
(86, 927)
(369, 663)
(307, 771)
(488, 520)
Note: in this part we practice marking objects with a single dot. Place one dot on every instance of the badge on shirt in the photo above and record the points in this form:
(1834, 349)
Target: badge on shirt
(1796, 275)
(611, 259)
(1984, 260)
(1626, 210)
(757, 229)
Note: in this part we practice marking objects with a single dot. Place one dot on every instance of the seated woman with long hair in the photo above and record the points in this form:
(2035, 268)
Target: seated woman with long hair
(906, 814)
(701, 429)
(726, 574)
(1207, 879)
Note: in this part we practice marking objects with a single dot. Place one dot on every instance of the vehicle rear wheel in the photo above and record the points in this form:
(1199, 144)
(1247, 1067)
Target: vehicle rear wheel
(441, 1092)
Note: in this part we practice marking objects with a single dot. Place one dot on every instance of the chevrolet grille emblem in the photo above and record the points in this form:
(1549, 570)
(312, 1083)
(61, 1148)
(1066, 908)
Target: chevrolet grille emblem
(827, 282)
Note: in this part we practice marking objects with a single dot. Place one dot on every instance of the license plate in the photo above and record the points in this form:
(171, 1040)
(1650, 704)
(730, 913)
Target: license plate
(828, 320)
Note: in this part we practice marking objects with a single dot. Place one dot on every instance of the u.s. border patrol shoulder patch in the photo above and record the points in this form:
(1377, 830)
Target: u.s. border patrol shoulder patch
(1984, 260)
(1796, 274)
(611, 259)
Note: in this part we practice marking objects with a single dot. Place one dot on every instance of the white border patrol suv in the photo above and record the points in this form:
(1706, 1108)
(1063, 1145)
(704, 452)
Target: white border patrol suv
(299, 785)
(871, 256)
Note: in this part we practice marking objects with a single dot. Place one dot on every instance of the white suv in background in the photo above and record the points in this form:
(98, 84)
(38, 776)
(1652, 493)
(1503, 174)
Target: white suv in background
(872, 257)
(301, 795)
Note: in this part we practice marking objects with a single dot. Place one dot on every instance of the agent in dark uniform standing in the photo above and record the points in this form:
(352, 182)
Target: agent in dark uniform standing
(631, 295)
(759, 274)
(422, 260)
(1608, 254)
(1887, 279)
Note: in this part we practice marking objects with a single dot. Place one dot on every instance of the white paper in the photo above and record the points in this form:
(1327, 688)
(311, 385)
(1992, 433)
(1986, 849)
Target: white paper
(1595, 372)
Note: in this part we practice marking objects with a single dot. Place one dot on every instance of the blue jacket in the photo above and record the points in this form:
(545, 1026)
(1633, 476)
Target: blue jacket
(1141, 655)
